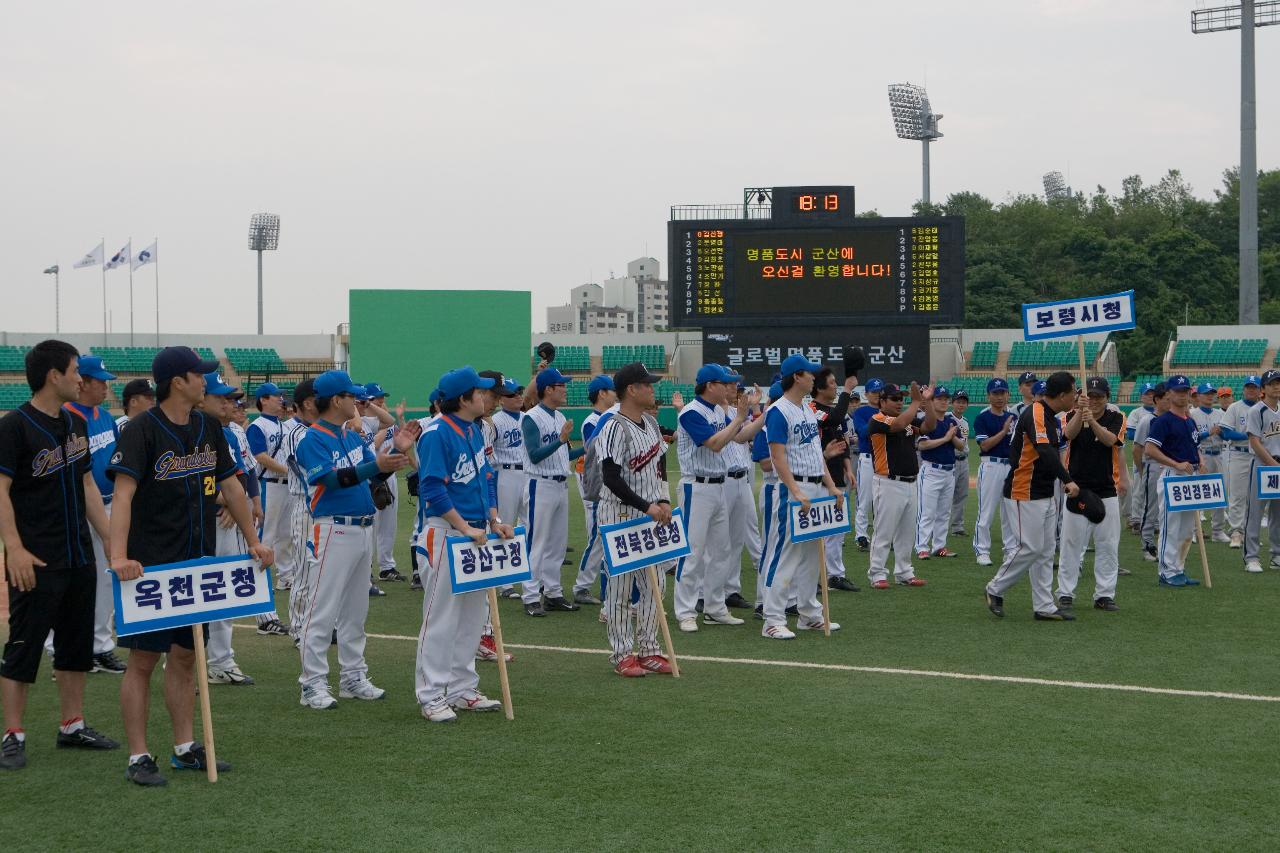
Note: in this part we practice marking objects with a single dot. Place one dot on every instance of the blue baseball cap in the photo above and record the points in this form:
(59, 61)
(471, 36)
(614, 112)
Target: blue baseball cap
(455, 383)
(172, 362)
(511, 388)
(333, 382)
(549, 377)
(961, 395)
(941, 391)
(1253, 380)
(214, 384)
(874, 386)
(91, 366)
(718, 373)
(434, 396)
(600, 383)
(795, 363)
(775, 391)
(1205, 388)
(1147, 388)
(997, 384)
(267, 389)
(1177, 382)
(1037, 387)
(374, 390)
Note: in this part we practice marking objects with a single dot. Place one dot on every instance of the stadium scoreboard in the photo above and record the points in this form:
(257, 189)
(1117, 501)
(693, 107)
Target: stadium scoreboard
(806, 258)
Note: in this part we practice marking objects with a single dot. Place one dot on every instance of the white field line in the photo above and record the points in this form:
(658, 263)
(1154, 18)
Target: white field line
(889, 670)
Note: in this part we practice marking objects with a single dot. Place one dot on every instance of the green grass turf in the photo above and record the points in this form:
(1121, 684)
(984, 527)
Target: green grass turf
(732, 756)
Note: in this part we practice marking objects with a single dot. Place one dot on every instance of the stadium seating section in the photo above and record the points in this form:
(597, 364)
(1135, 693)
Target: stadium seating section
(653, 357)
(984, 355)
(285, 387)
(1246, 352)
(13, 396)
(664, 389)
(256, 360)
(571, 359)
(13, 359)
(1233, 381)
(1050, 354)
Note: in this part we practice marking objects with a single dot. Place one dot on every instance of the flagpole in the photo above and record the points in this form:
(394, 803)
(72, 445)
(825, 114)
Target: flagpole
(156, 243)
(104, 291)
(130, 256)
(57, 302)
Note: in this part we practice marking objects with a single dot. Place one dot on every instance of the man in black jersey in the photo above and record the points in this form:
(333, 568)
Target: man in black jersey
(831, 406)
(47, 492)
(169, 467)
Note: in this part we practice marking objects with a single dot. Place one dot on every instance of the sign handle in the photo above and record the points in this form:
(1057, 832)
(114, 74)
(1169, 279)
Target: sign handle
(1204, 559)
(502, 654)
(822, 584)
(206, 714)
(1083, 369)
(656, 591)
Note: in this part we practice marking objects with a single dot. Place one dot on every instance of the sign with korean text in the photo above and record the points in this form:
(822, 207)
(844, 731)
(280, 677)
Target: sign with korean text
(640, 542)
(498, 563)
(893, 353)
(1268, 482)
(192, 592)
(1069, 317)
(1195, 491)
(827, 516)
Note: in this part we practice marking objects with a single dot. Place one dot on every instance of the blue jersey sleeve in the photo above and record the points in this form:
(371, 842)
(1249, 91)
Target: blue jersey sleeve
(775, 424)
(232, 441)
(983, 426)
(257, 439)
(588, 430)
(432, 471)
(314, 459)
(697, 427)
(1159, 432)
(760, 447)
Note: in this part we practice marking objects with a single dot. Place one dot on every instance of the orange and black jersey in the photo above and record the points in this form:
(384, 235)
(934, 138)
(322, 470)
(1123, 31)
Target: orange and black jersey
(1033, 455)
(893, 452)
(1093, 465)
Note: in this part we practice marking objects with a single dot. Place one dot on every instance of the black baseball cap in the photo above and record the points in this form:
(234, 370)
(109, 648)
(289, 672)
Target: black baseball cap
(890, 390)
(1160, 390)
(179, 361)
(134, 388)
(1025, 377)
(1098, 385)
(960, 394)
(634, 373)
(304, 390)
(1089, 505)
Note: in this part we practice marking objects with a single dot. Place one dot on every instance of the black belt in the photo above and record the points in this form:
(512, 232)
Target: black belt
(962, 455)
(895, 477)
(708, 480)
(273, 480)
(737, 475)
(512, 467)
(808, 479)
(353, 520)
(555, 478)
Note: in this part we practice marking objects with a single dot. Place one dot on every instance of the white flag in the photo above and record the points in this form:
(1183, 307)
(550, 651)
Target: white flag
(146, 256)
(121, 257)
(93, 259)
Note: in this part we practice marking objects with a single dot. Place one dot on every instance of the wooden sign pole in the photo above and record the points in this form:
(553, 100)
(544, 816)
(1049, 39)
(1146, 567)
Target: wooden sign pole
(502, 653)
(822, 584)
(206, 714)
(656, 591)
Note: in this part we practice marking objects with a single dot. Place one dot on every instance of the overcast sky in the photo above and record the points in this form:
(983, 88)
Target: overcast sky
(539, 145)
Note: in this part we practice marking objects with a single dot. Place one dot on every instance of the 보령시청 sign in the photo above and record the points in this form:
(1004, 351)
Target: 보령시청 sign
(1070, 317)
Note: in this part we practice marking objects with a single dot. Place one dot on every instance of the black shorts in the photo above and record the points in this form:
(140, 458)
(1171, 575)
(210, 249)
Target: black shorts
(62, 601)
(161, 641)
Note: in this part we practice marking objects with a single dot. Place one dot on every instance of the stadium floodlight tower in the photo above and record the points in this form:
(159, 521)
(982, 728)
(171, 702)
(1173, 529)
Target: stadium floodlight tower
(1244, 17)
(913, 118)
(1055, 187)
(264, 236)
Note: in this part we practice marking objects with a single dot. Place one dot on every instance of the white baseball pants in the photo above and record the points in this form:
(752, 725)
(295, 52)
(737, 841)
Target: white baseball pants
(338, 559)
(1255, 512)
(704, 572)
(300, 588)
(894, 504)
(277, 511)
(862, 515)
(1175, 528)
(546, 523)
(833, 554)
(771, 533)
(385, 522)
(959, 495)
(1137, 495)
(592, 561)
(229, 542)
(991, 477)
(1151, 502)
(744, 529)
(451, 627)
(1240, 465)
(935, 487)
(793, 570)
(1076, 530)
(513, 497)
(1034, 524)
(1215, 463)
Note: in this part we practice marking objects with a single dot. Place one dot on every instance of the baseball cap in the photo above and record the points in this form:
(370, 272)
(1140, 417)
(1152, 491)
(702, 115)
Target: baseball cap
(600, 383)
(1147, 388)
(333, 382)
(961, 394)
(1205, 388)
(1025, 377)
(549, 377)
(267, 389)
(1271, 376)
(1098, 385)
(941, 391)
(1037, 387)
(455, 383)
(1177, 382)
(374, 390)
(214, 384)
(510, 388)
(775, 391)
(997, 384)
(718, 373)
(1253, 380)
(135, 387)
(634, 373)
(1159, 390)
(91, 366)
(172, 362)
(793, 364)
(875, 386)
(890, 390)
(434, 396)
(1225, 391)
(304, 390)
(1088, 504)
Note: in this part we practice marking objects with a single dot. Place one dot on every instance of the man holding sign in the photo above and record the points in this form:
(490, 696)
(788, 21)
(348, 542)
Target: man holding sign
(1171, 443)
(169, 467)
(1263, 429)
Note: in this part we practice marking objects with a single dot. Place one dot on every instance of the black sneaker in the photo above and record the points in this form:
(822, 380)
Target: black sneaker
(995, 603)
(863, 543)
(534, 609)
(561, 603)
(1149, 553)
(416, 583)
(13, 753)
(374, 592)
(273, 628)
(390, 575)
(1066, 602)
(582, 596)
(793, 610)
(698, 606)
(842, 583)
(86, 738)
(737, 602)
(1107, 604)
(145, 772)
(758, 612)
(1058, 615)
(108, 662)
(195, 759)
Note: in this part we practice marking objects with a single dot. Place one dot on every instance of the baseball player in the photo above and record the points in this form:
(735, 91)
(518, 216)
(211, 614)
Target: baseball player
(385, 520)
(266, 443)
(1263, 428)
(338, 465)
(960, 495)
(1133, 503)
(861, 418)
(768, 500)
(545, 434)
(1026, 387)
(1149, 474)
(163, 512)
(418, 554)
(937, 479)
(1095, 462)
(1209, 426)
(295, 429)
(509, 459)
(48, 500)
(1170, 448)
(269, 623)
(702, 433)
(993, 429)
(834, 428)
(601, 393)
(740, 500)
(1036, 465)
(487, 650)
(136, 397)
(796, 453)
(457, 495)
(1240, 460)
(892, 436)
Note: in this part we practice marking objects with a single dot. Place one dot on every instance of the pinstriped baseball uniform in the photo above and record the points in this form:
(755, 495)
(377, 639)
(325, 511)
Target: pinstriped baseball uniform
(740, 502)
(300, 584)
(246, 455)
(636, 448)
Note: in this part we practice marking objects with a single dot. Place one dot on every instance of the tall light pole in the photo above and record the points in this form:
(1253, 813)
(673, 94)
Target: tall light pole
(57, 298)
(264, 236)
(1244, 17)
(914, 118)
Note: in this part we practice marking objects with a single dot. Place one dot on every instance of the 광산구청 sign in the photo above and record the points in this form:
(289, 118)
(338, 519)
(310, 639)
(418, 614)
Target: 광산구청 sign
(192, 592)
(498, 563)
(1068, 317)
(641, 542)
(1194, 491)
(825, 517)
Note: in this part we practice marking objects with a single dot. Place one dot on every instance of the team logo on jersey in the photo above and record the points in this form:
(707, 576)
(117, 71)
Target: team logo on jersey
(464, 470)
(117, 458)
(171, 466)
(645, 458)
(101, 441)
(804, 431)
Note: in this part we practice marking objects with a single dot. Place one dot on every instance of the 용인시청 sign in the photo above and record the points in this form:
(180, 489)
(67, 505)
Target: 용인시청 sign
(825, 517)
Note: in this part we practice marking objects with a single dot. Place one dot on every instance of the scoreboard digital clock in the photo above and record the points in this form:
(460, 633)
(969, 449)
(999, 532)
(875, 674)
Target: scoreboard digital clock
(814, 262)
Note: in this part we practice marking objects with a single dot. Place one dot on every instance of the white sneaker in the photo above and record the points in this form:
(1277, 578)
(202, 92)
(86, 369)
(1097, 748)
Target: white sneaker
(725, 618)
(230, 675)
(476, 702)
(1253, 567)
(690, 625)
(1221, 537)
(777, 632)
(816, 625)
(984, 560)
(604, 620)
(318, 698)
(1237, 540)
(439, 713)
(362, 689)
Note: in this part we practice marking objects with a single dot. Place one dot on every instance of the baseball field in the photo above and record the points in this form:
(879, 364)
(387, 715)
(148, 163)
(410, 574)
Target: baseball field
(926, 723)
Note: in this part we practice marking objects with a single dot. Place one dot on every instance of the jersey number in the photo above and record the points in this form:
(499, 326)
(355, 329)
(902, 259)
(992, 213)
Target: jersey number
(210, 487)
